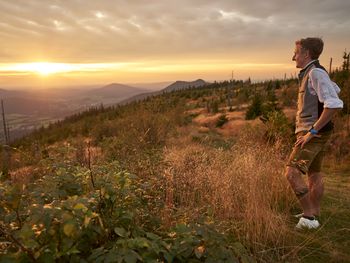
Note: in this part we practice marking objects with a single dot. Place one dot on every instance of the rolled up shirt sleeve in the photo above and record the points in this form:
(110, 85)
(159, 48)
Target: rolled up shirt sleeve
(327, 91)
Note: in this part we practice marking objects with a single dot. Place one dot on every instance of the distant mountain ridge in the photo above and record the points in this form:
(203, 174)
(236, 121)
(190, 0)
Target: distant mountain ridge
(65, 101)
(69, 100)
(115, 90)
(178, 85)
(26, 109)
(140, 97)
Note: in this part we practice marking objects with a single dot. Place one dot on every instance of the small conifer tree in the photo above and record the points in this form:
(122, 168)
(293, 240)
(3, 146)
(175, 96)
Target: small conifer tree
(255, 109)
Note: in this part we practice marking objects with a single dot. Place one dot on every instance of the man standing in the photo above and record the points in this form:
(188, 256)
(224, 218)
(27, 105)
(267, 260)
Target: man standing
(318, 101)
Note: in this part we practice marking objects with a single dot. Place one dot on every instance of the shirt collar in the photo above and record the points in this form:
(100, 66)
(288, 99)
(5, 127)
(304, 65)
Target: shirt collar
(308, 64)
(302, 72)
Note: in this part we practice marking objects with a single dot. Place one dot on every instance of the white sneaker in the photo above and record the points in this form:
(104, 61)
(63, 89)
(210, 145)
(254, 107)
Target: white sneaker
(298, 215)
(307, 223)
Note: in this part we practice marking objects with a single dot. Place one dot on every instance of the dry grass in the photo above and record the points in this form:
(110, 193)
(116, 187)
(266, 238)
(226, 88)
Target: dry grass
(235, 125)
(244, 186)
(196, 111)
(203, 129)
(86, 154)
(23, 175)
(207, 120)
(290, 113)
(236, 122)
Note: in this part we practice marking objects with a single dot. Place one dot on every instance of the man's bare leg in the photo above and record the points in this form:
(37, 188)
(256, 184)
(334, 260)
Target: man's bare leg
(316, 188)
(301, 190)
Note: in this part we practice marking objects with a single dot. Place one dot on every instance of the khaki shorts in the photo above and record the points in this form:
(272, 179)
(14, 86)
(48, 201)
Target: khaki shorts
(311, 156)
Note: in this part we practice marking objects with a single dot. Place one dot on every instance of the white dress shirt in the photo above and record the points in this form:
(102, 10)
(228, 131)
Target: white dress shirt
(326, 90)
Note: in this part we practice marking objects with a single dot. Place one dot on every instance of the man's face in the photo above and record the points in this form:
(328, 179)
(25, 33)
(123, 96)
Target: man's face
(301, 57)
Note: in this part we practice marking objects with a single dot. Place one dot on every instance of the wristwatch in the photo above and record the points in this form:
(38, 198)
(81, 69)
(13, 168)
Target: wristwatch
(313, 131)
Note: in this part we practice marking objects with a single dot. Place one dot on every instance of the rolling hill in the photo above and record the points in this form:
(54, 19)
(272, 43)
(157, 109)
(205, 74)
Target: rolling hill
(27, 109)
(114, 90)
(179, 85)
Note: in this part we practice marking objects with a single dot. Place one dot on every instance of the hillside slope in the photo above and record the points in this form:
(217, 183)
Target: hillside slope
(179, 176)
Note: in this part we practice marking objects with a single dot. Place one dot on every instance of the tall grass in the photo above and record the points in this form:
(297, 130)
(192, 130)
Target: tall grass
(244, 186)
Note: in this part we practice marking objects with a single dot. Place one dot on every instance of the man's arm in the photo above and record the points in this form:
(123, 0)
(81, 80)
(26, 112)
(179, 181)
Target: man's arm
(326, 116)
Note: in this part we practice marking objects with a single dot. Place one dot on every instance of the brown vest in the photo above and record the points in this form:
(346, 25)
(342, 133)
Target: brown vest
(309, 107)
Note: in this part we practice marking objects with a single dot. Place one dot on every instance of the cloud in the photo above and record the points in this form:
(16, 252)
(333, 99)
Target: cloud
(108, 31)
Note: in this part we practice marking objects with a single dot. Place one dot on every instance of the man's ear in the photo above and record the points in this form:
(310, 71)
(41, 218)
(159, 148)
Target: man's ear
(307, 54)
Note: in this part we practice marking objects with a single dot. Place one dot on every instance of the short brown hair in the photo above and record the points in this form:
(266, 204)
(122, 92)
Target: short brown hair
(312, 44)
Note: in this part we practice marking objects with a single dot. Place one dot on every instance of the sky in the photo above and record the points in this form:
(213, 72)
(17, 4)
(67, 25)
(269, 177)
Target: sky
(81, 42)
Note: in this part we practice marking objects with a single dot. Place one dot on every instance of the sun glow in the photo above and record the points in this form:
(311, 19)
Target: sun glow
(44, 68)
(50, 68)
(137, 70)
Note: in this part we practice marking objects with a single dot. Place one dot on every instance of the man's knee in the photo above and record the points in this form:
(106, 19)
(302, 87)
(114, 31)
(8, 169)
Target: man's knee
(292, 174)
(296, 182)
(315, 178)
(301, 192)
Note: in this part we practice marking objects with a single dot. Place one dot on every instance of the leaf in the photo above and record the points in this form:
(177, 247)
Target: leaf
(96, 253)
(66, 216)
(152, 236)
(30, 243)
(181, 228)
(86, 221)
(199, 251)
(132, 257)
(111, 257)
(141, 242)
(80, 206)
(73, 250)
(26, 232)
(46, 257)
(69, 229)
(168, 257)
(120, 231)
(37, 254)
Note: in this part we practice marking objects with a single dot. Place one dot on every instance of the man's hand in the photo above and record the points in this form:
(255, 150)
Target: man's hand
(302, 140)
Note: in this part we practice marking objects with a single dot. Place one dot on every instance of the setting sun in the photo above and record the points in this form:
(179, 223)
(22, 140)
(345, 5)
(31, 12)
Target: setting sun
(44, 68)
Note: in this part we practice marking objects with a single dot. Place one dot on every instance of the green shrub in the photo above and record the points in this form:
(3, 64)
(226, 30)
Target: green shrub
(255, 109)
(278, 127)
(64, 219)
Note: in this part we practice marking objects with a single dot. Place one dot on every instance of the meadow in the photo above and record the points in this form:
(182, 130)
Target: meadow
(194, 175)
